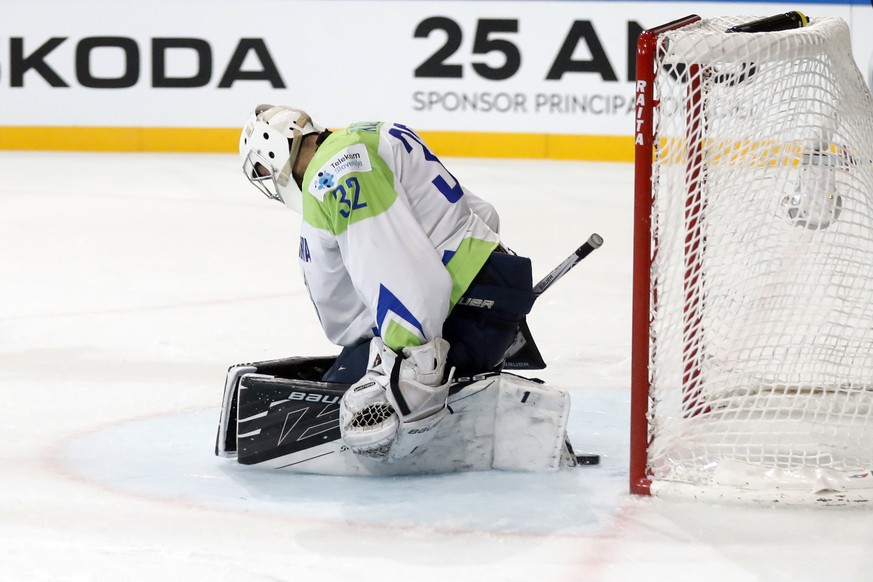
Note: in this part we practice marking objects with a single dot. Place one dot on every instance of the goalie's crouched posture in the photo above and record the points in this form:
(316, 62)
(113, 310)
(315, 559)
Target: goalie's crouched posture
(403, 264)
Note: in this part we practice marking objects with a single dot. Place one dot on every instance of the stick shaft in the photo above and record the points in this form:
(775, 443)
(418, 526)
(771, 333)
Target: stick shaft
(594, 241)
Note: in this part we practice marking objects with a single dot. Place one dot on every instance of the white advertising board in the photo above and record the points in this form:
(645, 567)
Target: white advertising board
(484, 66)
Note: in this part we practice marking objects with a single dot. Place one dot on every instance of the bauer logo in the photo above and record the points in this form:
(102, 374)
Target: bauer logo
(420, 430)
(351, 159)
(306, 397)
(473, 302)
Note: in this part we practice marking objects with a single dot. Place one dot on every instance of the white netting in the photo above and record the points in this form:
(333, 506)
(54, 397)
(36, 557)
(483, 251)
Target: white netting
(761, 341)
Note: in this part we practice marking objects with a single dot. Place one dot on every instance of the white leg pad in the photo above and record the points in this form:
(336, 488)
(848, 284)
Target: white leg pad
(531, 425)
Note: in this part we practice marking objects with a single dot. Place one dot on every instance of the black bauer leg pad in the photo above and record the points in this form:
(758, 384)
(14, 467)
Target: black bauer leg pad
(294, 369)
(280, 417)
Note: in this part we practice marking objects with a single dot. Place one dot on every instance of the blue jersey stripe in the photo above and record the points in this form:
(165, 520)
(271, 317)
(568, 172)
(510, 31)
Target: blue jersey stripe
(388, 302)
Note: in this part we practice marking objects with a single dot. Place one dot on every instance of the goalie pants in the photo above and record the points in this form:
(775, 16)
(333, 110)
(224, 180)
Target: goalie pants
(479, 329)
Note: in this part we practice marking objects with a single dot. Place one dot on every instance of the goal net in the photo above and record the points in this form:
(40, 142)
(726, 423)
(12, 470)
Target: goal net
(753, 265)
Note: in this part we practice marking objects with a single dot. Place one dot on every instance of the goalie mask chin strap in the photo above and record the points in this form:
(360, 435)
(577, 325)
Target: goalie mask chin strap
(286, 174)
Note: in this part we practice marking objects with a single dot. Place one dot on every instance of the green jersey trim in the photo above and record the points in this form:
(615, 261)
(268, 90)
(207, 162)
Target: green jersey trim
(347, 196)
(398, 337)
(466, 263)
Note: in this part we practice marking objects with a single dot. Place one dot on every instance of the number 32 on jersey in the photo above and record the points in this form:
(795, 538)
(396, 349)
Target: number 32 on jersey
(349, 195)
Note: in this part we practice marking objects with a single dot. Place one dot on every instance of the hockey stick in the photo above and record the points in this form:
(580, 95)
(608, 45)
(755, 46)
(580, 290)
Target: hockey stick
(594, 241)
(531, 358)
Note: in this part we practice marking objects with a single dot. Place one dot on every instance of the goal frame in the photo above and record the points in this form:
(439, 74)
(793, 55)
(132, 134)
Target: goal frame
(644, 147)
(683, 381)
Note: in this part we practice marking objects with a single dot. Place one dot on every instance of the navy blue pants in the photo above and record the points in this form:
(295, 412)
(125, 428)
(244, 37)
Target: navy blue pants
(479, 329)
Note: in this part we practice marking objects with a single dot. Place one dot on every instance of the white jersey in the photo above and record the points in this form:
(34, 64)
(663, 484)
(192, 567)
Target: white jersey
(390, 239)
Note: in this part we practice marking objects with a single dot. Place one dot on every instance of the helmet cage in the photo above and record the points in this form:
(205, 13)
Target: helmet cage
(260, 173)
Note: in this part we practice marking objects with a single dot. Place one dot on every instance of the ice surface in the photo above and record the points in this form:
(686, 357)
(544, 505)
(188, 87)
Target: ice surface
(129, 283)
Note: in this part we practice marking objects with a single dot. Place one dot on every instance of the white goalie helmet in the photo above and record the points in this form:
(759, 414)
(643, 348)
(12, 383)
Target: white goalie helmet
(269, 145)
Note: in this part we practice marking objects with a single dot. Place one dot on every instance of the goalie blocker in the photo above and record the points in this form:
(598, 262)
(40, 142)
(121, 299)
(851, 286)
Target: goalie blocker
(278, 414)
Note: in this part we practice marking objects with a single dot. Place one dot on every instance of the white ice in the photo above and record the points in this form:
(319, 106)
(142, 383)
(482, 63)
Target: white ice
(129, 283)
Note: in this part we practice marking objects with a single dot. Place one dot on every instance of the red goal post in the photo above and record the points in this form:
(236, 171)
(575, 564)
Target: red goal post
(644, 145)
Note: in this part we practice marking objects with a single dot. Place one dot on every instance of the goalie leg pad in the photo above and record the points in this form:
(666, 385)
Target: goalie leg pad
(499, 421)
(530, 433)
